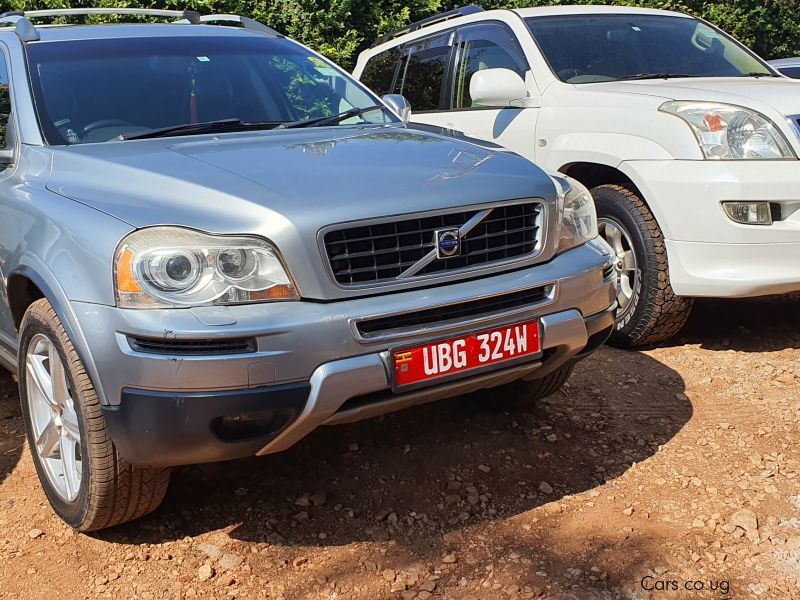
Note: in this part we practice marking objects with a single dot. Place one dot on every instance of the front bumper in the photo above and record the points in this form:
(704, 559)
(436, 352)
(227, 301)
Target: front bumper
(709, 254)
(167, 409)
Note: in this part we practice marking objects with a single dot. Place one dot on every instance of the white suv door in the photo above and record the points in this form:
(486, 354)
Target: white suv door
(490, 46)
(434, 73)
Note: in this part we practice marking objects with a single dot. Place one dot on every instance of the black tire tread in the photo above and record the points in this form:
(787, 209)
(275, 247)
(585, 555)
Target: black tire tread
(549, 384)
(522, 392)
(117, 491)
(663, 314)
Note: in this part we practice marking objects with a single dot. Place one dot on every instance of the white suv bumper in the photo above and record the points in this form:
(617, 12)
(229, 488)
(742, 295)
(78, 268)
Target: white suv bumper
(709, 254)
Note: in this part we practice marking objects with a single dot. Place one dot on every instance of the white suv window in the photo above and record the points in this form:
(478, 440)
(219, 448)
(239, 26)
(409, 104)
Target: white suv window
(615, 47)
(481, 47)
(380, 72)
(425, 71)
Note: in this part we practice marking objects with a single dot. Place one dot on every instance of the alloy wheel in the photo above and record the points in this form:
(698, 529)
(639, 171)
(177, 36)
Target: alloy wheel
(625, 266)
(56, 434)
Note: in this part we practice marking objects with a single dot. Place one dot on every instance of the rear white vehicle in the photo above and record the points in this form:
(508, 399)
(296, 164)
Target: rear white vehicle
(688, 140)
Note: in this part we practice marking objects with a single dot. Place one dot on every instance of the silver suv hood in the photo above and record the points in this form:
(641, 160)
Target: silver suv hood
(287, 185)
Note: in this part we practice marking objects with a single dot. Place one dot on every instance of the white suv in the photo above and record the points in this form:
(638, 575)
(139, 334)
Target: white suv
(688, 140)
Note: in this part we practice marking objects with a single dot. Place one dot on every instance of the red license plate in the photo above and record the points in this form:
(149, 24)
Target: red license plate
(448, 357)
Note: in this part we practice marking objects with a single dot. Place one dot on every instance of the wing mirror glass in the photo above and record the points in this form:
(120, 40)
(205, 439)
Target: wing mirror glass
(399, 105)
(500, 88)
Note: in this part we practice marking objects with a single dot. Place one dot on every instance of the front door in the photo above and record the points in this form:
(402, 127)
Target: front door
(478, 47)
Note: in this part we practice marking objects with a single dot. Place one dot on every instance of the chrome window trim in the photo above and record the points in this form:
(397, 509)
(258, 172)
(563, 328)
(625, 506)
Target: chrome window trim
(400, 283)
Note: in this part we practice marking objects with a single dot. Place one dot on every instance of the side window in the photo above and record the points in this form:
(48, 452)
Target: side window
(5, 101)
(484, 47)
(425, 71)
(380, 71)
(793, 72)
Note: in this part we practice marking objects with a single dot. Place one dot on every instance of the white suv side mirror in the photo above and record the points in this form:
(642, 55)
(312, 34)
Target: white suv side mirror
(398, 104)
(499, 88)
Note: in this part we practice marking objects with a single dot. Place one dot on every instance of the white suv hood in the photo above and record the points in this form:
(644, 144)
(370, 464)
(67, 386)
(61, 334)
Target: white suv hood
(779, 93)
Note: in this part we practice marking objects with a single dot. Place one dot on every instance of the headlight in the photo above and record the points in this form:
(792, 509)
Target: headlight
(173, 267)
(727, 132)
(579, 218)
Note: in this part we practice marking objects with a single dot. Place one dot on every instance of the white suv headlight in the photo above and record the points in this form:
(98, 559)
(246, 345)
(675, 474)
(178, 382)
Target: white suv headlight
(578, 215)
(725, 131)
(174, 267)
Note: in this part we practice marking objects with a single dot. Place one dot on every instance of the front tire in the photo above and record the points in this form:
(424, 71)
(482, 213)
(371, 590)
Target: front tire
(86, 481)
(649, 311)
(522, 392)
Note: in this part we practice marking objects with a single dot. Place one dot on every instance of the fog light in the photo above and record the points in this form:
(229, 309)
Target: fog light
(749, 213)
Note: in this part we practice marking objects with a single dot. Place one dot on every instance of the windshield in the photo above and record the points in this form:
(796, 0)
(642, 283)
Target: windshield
(99, 90)
(594, 48)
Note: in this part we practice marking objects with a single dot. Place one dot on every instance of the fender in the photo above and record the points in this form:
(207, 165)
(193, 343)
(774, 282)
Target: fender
(601, 148)
(39, 273)
(606, 149)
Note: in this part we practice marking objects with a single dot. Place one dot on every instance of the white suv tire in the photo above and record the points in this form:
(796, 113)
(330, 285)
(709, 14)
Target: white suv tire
(652, 313)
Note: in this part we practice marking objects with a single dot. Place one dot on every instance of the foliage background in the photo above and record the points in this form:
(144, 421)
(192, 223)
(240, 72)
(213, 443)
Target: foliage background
(340, 29)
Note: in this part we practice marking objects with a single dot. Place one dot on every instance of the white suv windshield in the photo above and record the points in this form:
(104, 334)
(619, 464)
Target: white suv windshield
(594, 48)
(99, 90)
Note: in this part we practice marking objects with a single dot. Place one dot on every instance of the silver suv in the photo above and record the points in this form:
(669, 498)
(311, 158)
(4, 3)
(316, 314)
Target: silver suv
(213, 240)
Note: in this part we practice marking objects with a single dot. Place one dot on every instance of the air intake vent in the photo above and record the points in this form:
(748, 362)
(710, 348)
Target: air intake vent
(193, 347)
(457, 312)
(379, 253)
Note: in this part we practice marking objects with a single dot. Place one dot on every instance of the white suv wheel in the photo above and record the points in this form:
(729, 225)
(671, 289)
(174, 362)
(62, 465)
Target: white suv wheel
(625, 264)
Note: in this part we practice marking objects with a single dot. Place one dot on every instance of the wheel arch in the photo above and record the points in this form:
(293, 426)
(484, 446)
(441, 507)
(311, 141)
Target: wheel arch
(30, 281)
(593, 174)
(22, 292)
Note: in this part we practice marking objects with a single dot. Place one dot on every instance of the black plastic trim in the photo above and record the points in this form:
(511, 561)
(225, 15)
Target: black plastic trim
(193, 347)
(166, 429)
(599, 328)
(464, 310)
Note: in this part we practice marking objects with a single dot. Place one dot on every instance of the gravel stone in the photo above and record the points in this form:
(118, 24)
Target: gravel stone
(746, 519)
(205, 572)
(230, 562)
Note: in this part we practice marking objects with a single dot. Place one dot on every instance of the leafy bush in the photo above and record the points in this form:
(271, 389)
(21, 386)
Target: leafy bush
(340, 29)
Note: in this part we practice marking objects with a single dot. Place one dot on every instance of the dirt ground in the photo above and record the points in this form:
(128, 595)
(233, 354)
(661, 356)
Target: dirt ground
(653, 472)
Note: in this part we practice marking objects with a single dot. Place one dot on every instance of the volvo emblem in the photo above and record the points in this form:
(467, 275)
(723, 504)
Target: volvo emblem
(448, 242)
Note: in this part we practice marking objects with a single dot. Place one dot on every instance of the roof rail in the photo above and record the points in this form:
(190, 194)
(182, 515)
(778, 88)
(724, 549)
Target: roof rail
(22, 26)
(250, 24)
(450, 14)
(27, 32)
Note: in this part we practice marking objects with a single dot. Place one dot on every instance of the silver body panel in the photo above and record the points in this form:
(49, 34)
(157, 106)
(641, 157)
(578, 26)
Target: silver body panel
(295, 338)
(64, 210)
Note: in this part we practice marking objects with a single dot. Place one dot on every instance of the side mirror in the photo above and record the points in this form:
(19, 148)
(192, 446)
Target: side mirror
(499, 88)
(6, 157)
(399, 105)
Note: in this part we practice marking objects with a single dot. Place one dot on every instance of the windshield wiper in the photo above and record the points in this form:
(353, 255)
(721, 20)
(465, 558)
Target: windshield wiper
(205, 127)
(333, 120)
(758, 74)
(654, 76)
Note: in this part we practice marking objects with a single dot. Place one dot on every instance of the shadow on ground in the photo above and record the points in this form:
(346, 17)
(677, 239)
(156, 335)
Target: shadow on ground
(387, 478)
(747, 325)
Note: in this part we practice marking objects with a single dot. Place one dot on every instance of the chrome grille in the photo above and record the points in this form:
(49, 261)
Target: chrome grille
(382, 252)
